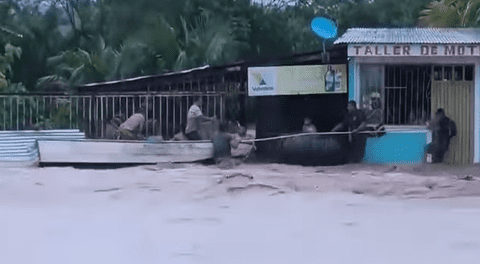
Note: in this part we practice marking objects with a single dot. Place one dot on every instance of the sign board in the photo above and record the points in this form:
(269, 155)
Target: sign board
(402, 50)
(295, 80)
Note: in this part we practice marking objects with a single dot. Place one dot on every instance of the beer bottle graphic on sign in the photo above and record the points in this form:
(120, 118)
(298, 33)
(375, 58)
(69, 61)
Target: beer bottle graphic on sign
(338, 81)
(330, 79)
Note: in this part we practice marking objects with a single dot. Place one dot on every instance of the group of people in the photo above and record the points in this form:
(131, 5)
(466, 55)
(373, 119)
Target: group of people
(133, 128)
(356, 120)
(443, 130)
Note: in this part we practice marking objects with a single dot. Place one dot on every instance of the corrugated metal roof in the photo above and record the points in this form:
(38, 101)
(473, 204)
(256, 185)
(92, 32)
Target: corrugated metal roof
(148, 76)
(19, 148)
(410, 36)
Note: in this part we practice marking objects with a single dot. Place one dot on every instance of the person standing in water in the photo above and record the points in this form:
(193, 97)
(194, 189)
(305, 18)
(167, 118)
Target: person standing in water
(443, 129)
(354, 122)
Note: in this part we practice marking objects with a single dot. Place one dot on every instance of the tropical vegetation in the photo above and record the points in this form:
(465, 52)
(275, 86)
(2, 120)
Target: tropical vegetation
(54, 44)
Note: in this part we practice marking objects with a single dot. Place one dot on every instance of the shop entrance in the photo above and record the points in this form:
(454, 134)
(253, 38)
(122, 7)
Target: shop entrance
(452, 89)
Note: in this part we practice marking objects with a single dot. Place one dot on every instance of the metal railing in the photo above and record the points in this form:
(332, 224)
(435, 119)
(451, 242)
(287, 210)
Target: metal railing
(91, 113)
(20, 112)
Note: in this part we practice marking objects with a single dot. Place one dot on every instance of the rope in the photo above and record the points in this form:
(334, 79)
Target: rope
(308, 134)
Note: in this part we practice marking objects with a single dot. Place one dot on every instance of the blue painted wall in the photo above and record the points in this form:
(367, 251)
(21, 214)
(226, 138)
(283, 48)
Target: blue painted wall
(400, 148)
(351, 79)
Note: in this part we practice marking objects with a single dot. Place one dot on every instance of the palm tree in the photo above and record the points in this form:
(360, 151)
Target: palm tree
(451, 13)
(80, 66)
(6, 62)
(208, 41)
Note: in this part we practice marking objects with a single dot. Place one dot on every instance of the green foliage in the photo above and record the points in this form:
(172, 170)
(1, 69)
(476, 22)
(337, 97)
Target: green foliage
(451, 13)
(6, 61)
(60, 118)
(81, 41)
(379, 13)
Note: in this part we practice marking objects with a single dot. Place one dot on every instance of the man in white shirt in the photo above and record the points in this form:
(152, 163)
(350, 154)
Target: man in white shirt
(194, 118)
(132, 128)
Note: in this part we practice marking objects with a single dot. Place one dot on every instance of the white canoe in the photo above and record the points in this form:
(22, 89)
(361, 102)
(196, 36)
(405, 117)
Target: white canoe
(113, 151)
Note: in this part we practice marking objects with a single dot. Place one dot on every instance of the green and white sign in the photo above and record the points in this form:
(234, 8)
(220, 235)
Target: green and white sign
(295, 80)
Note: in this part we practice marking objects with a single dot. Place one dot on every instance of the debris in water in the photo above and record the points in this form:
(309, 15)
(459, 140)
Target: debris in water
(358, 191)
(107, 190)
(261, 185)
(393, 168)
(239, 174)
(467, 178)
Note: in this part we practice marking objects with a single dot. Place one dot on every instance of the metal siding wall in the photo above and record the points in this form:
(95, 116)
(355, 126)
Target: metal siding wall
(456, 99)
(19, 148)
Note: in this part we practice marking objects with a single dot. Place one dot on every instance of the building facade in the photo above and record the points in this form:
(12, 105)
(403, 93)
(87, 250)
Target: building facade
(415, 71)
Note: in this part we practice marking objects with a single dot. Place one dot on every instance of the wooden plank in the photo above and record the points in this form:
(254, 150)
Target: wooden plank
(105, 151)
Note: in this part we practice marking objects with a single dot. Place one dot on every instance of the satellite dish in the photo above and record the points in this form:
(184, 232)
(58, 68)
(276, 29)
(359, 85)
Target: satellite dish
(324, 27)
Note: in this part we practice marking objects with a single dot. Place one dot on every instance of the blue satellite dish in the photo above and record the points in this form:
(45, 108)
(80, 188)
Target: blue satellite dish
(324, 27)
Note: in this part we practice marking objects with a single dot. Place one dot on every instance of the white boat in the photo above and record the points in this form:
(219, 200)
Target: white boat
(122, 151)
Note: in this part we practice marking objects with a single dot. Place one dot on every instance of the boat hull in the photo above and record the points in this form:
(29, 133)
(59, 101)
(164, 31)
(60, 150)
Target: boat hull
(111, 151)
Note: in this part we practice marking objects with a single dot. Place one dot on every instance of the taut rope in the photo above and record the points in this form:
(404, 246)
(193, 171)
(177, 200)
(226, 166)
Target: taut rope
(308, 134)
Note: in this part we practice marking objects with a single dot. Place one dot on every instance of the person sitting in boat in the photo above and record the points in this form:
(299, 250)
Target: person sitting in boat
(132, 128)
(354, 122)
(308, 126)
(194, 119)
(223, 142)
(111, 129)
(180, 136)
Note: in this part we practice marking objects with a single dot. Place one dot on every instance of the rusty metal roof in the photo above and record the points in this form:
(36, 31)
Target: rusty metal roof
(410, 36)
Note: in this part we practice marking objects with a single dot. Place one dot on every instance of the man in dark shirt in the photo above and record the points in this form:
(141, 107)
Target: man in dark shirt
(223, 143)
(354, 122)
(443, 129)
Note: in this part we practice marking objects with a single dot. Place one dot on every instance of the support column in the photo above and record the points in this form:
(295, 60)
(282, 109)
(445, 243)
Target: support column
(352, 67)
(476, 122)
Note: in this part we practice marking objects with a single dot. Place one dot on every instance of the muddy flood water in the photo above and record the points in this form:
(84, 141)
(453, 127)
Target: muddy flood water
(252, 213)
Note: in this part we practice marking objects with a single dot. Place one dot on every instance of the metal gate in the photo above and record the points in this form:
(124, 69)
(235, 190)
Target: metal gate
(452, 90)
(407, 94)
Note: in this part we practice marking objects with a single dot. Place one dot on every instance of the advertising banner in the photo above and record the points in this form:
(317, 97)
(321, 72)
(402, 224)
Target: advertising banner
(296, 80)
